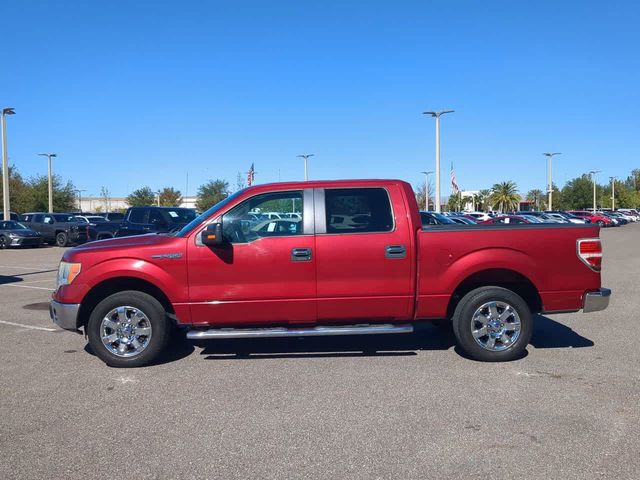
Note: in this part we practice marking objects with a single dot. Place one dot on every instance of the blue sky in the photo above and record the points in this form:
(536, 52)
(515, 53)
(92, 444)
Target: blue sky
(140, 93)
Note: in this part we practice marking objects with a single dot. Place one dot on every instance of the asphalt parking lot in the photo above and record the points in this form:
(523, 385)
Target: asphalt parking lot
(405, 406)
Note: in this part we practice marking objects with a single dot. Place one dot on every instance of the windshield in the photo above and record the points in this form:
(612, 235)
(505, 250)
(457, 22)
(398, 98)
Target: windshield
(204, 215)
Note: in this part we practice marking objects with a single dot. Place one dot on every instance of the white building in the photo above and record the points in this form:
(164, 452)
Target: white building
(110, 204)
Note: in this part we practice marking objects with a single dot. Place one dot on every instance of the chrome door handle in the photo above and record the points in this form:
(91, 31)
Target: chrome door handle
(395, 251)
(300, 254)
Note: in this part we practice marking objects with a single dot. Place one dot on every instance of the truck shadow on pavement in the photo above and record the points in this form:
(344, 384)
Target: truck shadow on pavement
(547, 334)
(5, 279)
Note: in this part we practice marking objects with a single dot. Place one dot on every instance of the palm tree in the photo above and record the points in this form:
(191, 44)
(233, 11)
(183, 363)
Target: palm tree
(537, 197)
(483, 202)
(505, 196)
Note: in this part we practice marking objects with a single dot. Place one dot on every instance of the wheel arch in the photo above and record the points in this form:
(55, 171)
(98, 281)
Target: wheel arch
(102, 290)
(498, 277)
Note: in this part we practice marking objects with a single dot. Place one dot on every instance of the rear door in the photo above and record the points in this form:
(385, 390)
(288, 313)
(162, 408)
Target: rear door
(136, 222)
(364, 261)
(48, 226)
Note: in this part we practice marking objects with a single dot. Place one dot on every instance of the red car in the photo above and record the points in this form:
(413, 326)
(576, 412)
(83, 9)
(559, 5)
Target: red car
(358, 261)
(506, 220)
(596, 219)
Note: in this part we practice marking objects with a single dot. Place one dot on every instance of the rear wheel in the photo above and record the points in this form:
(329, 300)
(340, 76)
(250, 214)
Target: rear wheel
(128, 329)
(493, 324)
(600, 223)
(62, 239)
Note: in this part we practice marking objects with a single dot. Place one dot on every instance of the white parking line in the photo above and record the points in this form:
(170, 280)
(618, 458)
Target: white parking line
(32, 327)
(26, 286)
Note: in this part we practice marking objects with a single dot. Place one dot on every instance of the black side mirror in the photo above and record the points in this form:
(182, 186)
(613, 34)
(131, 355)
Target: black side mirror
(212, 235)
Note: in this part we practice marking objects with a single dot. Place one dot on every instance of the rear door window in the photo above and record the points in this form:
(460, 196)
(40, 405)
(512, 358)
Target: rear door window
(358, 210)
(138, 215)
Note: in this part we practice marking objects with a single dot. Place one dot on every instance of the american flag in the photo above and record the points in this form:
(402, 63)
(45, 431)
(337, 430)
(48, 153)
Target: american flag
(454, 185)
(251, 176)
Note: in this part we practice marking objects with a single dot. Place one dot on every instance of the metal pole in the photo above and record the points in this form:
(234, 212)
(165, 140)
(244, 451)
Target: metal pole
(426, 189)
(5, 164)
(50, 187)
(5, 172)
(613, 193)
(593, 178)
(437, 116)
(305, 156)
(550, 185)
(438, 163)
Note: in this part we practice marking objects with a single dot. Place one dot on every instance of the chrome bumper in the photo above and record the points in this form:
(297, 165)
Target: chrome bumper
(65, 315)
(596, 301)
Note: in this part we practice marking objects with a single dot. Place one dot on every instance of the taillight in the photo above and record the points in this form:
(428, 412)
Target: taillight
(590, 252)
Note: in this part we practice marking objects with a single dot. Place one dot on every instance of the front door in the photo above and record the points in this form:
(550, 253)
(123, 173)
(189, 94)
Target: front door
(266, 273)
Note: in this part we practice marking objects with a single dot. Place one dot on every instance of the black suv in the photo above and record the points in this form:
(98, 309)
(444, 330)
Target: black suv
(59, 228)
(141, 220)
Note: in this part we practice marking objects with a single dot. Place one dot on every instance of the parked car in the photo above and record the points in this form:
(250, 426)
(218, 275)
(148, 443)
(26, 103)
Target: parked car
(571, 218)
(542, 216)
(600, 220)
(480, 216)
(98, 228)
(141, 220)
(382, 274)
(434, 218)
(621, 219)
(60, 228)
(463, 219)
(506, 220)
(633, 213)
(15, 234)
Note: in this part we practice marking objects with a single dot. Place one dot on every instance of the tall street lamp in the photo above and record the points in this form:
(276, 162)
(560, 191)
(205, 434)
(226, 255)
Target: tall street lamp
(50, 156)
(306, 157)
(613, 192)
(426, 189)
(5, 164)
(437, 117)
(593, 179)
(550, 155)
(79, 192)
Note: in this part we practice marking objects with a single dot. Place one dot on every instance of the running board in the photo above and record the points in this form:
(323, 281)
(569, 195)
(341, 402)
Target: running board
(299, 331)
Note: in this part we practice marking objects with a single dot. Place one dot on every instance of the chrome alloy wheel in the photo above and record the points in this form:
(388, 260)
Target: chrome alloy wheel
(125, 331)
(495, 326)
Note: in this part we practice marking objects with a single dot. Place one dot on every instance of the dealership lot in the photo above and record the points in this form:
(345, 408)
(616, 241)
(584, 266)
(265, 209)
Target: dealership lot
(384, 407)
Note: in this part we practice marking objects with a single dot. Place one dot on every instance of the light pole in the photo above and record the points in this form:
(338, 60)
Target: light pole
(426, 189)
(158, 192)
(5, 164)
(593, 179)
(613, 193)
(50, 156)
(306, 157)
(550, 155)
(79, 192)
(437, 117)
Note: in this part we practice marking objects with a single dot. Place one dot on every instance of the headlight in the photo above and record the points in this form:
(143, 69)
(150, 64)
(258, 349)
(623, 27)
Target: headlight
(67, 272)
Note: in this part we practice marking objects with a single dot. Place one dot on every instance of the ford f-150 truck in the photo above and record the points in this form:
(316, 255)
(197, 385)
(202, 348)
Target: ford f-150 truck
(344, 258)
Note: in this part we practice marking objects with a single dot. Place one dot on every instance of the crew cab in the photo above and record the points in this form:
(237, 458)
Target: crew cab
(358, 261)
(62, 229)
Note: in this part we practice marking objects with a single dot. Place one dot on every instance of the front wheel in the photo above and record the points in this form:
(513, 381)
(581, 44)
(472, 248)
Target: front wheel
(3, 242)
(600, 223)
(493, 324)
(128, 329)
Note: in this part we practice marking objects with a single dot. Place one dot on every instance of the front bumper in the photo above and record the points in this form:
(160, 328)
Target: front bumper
(65, 315)
(596, 301)
(25, 241)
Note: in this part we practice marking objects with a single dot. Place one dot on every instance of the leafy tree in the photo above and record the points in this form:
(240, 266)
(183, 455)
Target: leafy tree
(141, 197)
(64, 199)
(505, 196)
(483, 203)
(18, 192)
(420, 193)
(211, 193)
(106, 198)
(170, 197)
(578, 193)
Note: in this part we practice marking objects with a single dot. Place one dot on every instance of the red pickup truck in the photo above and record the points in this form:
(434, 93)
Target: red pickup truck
(325, 258)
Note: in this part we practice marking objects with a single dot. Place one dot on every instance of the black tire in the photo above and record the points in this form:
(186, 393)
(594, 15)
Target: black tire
(3, 242)
(463, 324)
(154, 312)
(62, 239)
